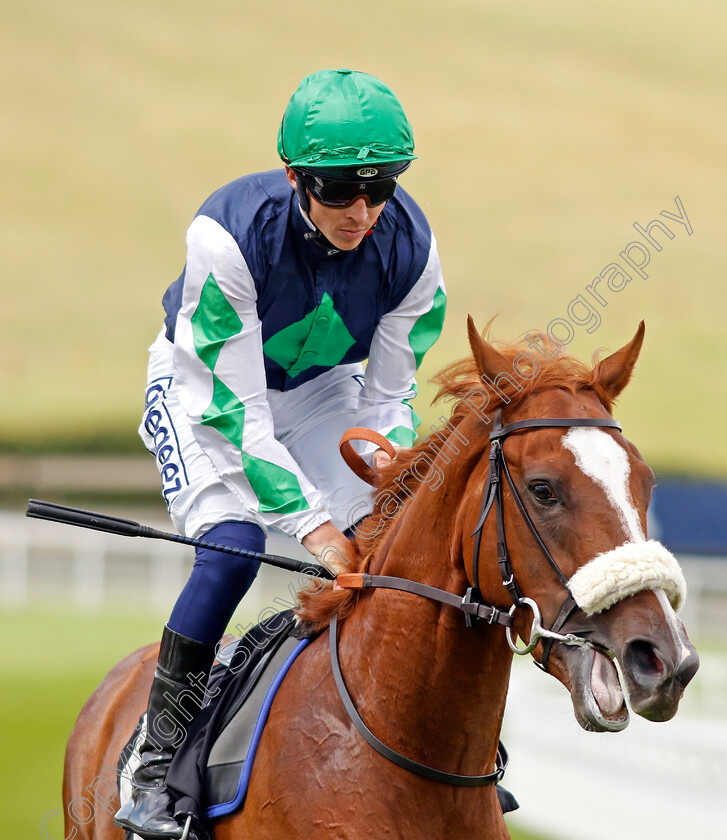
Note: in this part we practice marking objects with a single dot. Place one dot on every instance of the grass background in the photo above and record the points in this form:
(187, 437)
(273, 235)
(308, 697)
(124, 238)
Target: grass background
(544, 131)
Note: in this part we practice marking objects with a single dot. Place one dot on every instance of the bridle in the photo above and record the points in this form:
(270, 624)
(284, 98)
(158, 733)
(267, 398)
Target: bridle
(472, 604)
(493, 497)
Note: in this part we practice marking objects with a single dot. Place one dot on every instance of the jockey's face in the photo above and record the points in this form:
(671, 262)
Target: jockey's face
(343, 227)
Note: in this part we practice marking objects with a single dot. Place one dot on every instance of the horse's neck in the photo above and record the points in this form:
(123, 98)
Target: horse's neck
(423, 678)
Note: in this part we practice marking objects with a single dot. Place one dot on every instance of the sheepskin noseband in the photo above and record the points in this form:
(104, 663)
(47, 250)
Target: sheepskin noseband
(633, 567)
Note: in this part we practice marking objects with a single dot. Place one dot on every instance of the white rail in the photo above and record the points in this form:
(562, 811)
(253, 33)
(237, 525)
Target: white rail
(91, 570)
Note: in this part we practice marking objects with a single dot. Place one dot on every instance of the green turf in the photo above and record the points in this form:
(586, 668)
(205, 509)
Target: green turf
(544, 131)
(51, 661)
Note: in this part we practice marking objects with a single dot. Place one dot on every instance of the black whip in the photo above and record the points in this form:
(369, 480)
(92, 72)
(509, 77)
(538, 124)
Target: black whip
(128, 528)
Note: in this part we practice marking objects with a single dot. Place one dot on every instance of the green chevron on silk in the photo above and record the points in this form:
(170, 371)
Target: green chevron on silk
(277, 489)
(428, 327)
(402, 436)
(321, 338)
(225, 413)
(214, 322)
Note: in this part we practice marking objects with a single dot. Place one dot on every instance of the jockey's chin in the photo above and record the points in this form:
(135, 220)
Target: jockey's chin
(345, 227)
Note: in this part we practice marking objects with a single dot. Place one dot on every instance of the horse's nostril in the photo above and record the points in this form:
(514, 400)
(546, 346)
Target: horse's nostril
(643, 662)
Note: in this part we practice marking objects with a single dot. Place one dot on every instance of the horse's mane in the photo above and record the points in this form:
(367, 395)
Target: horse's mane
(455, 381)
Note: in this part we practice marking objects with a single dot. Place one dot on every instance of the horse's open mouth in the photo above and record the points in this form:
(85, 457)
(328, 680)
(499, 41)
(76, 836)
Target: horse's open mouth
(598, 697)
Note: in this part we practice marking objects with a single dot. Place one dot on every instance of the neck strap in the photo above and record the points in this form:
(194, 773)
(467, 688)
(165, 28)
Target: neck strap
(396, 757)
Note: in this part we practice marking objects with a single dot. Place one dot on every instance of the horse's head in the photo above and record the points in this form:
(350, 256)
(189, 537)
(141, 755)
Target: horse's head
(585, 490)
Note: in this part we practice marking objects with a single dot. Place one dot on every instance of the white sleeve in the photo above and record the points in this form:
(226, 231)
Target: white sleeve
(220, 376)
(401, 339)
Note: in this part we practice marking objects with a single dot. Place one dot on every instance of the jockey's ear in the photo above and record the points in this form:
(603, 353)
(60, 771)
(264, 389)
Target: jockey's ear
(613, 372)
(290, 175)
(489, 361)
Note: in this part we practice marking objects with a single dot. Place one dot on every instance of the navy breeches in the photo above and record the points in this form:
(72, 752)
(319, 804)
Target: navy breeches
(218, 582)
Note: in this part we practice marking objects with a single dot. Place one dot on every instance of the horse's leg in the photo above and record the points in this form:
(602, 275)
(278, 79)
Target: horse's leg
(106, 721)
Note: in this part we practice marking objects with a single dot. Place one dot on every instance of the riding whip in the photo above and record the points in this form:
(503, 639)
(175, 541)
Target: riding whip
(128, 528)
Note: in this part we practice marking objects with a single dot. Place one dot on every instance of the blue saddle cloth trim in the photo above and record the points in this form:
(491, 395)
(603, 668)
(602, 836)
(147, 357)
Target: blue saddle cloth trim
(227, 807)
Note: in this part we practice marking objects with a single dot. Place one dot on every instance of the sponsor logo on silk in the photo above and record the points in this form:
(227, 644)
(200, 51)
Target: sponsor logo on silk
(158, 425)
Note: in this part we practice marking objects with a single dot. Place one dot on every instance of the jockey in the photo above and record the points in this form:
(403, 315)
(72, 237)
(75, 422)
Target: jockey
(293, 277)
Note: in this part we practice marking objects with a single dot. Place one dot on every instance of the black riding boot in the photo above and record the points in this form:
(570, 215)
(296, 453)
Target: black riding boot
(177, 694)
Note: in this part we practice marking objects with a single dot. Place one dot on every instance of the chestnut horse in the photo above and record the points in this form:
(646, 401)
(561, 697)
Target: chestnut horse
(562, 487)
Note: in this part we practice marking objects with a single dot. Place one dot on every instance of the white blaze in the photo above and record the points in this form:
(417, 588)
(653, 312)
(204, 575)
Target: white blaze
(599, 456)
(675, 626)
(637, 564)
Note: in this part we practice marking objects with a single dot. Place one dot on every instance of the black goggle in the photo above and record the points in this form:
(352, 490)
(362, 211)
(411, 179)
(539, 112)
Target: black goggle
(332, 192)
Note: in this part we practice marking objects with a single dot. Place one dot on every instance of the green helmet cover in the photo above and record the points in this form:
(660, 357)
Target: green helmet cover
(339, 118)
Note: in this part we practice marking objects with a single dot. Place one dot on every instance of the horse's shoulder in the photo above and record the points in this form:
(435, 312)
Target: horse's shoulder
(137, 659)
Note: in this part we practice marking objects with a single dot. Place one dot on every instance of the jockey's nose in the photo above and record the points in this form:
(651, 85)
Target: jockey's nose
(359, 209)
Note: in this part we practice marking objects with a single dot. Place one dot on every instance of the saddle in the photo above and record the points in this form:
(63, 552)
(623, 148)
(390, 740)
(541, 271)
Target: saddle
(238, 730)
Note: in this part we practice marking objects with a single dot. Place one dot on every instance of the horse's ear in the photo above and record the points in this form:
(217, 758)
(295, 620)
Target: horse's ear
(489, 361)
(613, 372)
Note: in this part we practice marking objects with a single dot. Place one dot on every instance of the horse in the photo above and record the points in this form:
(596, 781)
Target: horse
(516, 529)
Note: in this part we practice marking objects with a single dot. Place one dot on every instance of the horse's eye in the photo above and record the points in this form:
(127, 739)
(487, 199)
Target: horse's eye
(543, 492)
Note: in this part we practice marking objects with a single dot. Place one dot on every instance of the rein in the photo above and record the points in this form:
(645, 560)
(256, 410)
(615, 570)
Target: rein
(489, 613)
(472, 604)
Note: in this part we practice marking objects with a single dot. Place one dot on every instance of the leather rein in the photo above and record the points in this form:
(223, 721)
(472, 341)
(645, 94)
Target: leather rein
(471, 604)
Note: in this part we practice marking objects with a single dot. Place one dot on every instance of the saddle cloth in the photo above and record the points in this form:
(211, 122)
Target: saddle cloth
(230, 761)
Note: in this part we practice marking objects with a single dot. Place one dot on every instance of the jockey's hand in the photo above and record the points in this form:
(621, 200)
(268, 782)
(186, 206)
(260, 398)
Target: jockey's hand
(382, 459)
(331, 547)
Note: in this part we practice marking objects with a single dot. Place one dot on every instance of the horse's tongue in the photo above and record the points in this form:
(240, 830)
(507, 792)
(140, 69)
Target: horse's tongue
(605, 686)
